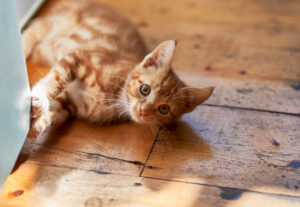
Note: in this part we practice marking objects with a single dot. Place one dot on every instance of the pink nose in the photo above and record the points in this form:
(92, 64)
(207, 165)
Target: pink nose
(144, 112)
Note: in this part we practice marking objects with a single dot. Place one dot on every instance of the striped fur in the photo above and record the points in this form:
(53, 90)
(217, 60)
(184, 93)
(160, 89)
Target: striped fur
(99, 64)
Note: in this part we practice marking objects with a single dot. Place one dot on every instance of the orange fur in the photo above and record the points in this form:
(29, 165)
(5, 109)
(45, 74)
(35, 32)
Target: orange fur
(100, 72)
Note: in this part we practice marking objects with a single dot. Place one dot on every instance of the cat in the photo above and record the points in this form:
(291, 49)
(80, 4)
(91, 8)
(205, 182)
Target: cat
(101, 72)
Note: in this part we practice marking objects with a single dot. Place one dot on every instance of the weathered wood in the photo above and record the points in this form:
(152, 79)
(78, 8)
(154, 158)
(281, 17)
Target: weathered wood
(243, 149)
(40, 186)
(117, 148)
(250, 93)
(240, 12)
(95, 162)
(35, 72)
(216, 32)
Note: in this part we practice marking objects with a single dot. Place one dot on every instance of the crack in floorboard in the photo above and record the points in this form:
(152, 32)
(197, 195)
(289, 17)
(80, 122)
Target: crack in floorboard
(218, 186)
(252, 109)
(155, 140)
(92, 154)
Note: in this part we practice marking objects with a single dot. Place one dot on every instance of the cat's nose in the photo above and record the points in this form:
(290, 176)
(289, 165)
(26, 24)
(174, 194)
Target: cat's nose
(144, 112)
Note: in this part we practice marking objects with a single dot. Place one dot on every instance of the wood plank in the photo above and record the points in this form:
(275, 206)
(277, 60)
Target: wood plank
(240, 12)
(34, 185)
(236, 148)
(35, 72)
(117, 148)
(259, 24)
(33, 153)
(248, 93)
(121, 140)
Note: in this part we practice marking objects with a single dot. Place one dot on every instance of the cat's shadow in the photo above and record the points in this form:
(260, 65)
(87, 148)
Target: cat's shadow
(177, 149)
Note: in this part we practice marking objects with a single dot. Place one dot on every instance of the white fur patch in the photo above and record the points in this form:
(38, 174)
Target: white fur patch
(84, 34)
(92, 21)
(41, 100)
(95, 60)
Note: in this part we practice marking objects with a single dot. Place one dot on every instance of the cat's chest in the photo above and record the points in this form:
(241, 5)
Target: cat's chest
(98, 105)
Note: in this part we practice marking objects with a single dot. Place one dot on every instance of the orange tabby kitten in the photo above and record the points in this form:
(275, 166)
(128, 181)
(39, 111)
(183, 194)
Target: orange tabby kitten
(100, 70)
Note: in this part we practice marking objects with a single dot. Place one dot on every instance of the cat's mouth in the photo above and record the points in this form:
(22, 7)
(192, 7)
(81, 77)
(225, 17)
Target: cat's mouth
(140, 117)
(144, 119)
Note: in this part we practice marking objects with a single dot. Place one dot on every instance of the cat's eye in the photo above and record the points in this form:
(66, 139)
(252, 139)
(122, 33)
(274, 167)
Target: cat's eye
(164, 109)
(145, 90)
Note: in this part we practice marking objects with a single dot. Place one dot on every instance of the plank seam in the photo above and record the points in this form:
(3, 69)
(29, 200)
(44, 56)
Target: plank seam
(252, 109)
(94, 154)
(39, 163)
(217, 186)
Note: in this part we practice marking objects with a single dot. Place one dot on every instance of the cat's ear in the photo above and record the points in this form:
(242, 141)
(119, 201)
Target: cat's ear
(197, 96)
(161, 56)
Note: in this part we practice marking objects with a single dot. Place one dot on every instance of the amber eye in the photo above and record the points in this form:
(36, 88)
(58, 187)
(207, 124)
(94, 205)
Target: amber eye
(145, 90)
(164, 109)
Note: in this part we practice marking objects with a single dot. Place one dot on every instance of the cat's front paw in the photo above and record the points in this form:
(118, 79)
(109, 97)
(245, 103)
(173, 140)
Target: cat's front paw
(39, 112)
(38, 126)
(39, 102)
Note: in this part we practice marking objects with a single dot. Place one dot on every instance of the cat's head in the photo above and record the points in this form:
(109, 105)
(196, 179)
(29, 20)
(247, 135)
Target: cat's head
(155, 93)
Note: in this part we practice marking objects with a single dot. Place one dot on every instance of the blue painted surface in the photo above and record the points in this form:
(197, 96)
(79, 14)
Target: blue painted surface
(14, 89)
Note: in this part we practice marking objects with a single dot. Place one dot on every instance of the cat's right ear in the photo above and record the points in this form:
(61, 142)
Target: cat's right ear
(197, 96)
(161, 56)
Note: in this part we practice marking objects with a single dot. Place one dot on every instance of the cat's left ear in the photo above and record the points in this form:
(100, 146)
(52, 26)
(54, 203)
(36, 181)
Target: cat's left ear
(197, 96)
(161, 56)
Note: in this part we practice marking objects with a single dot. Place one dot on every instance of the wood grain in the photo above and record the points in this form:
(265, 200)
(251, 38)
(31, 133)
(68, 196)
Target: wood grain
(35, 72)
(236, 148)
(117, 148)
(40, 186)
(249, 94)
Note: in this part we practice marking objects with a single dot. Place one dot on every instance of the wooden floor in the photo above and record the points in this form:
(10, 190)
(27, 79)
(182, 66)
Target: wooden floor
(239, 149)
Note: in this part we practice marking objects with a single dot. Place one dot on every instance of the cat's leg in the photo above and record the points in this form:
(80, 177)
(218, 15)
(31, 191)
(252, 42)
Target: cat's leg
(49, 87)
(57, 79)
(60, 109)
